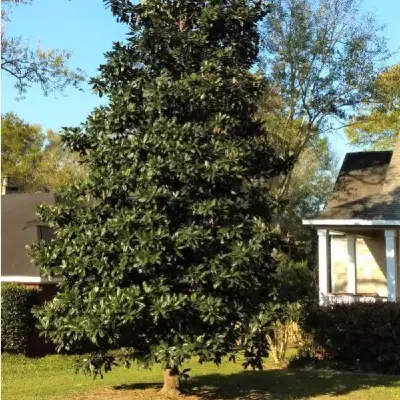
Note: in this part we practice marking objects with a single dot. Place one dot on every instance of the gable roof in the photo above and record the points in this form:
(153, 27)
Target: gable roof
(367, 188)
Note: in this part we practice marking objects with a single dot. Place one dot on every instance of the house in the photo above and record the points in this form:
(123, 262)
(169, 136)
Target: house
(358, 231)
(20, 227)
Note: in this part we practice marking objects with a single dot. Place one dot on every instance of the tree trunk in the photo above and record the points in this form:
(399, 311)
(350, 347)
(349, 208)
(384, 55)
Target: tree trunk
(172, 384)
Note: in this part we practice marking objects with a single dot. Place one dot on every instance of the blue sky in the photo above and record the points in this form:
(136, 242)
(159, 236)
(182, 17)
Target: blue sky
(88, 29)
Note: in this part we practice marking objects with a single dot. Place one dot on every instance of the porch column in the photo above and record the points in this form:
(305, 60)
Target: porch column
(323, 264)
(351, 265)
(391, 264)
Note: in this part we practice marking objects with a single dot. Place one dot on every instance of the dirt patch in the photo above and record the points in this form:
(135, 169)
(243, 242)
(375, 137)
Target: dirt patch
(128, 394)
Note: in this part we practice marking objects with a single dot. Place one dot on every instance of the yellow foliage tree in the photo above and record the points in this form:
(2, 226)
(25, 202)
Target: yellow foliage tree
(36, 162)
(379, 124)
(59, 167)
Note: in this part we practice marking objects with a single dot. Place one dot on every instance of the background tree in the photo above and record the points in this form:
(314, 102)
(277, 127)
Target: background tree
(21, 145)
(378, 124)
(59, 167)
(321, 57)
(311, 182)
(166, 248)
(28, 66)
(35, 161)
(296, 274)
(313, 178)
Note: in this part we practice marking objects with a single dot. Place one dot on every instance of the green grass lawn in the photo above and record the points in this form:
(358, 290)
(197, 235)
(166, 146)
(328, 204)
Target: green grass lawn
(53, 377)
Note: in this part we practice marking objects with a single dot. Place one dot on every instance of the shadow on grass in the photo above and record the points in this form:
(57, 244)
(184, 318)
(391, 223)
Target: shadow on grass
(277, 384)
(138, 386)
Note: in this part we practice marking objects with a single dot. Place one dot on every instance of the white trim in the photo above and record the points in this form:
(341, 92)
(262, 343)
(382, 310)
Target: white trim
(28, 279)
(332, 298)
(351, 222)
(390, 233)
(391, 264)
(351, 265)
(323, 264)
(336, 233)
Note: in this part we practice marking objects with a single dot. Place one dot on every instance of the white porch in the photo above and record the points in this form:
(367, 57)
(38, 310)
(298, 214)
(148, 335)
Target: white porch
(346, 257)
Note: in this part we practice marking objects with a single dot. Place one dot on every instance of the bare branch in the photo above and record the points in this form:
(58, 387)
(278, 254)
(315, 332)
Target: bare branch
(30, 66)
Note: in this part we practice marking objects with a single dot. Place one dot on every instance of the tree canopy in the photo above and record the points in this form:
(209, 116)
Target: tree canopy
(321, 58)
(379, 124)
(166, 248)
(21, 145)
(28, 66)
(36, 161)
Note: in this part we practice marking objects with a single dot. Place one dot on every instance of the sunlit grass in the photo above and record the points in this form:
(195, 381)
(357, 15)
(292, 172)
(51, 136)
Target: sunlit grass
(54, 377)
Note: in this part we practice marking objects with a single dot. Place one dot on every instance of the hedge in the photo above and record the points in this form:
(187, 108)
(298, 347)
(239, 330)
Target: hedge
(17, 321)
(358, 336)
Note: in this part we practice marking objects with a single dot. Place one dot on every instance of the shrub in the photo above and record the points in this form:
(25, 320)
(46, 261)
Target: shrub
(17, 321)
(282, 331)
(296, 290)
(296, 281)
(358, 336)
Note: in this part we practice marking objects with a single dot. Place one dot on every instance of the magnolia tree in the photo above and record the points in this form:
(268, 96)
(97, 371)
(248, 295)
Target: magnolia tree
(165, 249)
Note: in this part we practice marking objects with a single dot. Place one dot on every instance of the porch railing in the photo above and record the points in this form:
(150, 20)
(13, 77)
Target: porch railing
(335, 298)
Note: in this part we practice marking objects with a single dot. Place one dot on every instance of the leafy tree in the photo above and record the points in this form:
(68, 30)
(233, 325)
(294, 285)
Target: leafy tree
(21, 145)
(36, 161)
(48, 68)
(59, 167)
(166, 248)
(322, 57)
(311, 184)
(311, 179)
(378, 124)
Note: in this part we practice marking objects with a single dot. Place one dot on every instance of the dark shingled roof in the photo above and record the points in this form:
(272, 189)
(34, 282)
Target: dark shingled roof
(362, 190)
(20, 227)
